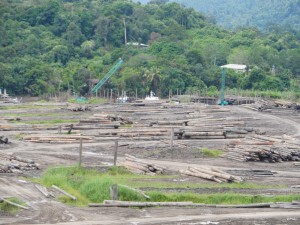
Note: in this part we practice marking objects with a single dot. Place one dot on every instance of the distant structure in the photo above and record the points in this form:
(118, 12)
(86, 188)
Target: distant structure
(136, 44)
(236, 67)
(151, 97)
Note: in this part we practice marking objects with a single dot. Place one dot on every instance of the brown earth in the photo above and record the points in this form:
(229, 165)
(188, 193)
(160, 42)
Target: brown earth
(49, 211)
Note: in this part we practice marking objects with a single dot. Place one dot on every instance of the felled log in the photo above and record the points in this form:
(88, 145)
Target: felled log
(134, 164)
(190, 172)
(208, 173)
(57, 138)
(256, 205)
(64, 192)
(112, 203)
(14, 204)
(135, 190)
(44, 191)
(3, 140)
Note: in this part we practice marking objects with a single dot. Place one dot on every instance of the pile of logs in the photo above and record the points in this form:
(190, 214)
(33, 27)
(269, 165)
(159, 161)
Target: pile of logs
(264, 105)
(3, 140)
(265, 149)
(213, 132)
(57, 138)
(78, 107)
(212, 174)
(15, 164)
(286, 205)
(97, 121)
(139, 166)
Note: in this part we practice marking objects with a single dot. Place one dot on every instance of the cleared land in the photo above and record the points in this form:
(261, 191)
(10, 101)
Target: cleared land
(40, 132)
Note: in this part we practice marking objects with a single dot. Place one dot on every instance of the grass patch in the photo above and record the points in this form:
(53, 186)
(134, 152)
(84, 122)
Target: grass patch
(220, 198)
(12, 107)
(92, 186)
(55, 121)
(211, 153)
(188, 185)
(35, 114)
(11, 209)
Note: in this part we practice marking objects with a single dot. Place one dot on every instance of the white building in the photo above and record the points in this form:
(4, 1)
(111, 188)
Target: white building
(236, 67)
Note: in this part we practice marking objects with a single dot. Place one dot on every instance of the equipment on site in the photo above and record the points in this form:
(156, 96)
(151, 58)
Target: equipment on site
(108, 75)
(223, 102)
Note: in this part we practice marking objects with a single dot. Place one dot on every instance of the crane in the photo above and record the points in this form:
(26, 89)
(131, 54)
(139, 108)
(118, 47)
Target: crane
(108, 75)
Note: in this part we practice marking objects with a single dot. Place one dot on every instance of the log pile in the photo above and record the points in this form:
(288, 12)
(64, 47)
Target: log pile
(57, 138)
(3, 140)
(78, 107)
(139, 166)
(16, 164)
(269, 106)
(97, 121)
(212, 174)
(214, 132)
(264, 149)
(286, 205)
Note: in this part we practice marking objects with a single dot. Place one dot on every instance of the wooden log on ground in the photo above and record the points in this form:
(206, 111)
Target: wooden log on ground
(256, 205)
(217, 174)
(135, 190)
(64, 192)
(43, 190)
(14, 204)
(186, 133)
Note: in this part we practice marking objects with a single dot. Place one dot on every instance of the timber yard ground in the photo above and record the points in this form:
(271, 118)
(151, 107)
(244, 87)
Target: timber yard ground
(143, 131)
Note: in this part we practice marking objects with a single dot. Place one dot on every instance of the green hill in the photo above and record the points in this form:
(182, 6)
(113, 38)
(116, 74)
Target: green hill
(49, 46)
(248, 13)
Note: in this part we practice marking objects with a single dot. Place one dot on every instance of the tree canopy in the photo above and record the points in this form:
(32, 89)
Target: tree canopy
(48, 46)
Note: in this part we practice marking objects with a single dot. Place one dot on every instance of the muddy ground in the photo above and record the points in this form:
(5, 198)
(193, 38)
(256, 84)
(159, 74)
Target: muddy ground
(183, 154)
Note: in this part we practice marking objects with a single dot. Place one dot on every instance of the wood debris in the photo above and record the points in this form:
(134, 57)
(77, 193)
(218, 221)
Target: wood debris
(16, 164)
(78, 107)
(3, 140)
(265, 149)
(212, 174)
(286, 205)
(57, 138)
(139, 166)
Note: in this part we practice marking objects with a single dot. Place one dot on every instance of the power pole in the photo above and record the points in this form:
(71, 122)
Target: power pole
(125, 33)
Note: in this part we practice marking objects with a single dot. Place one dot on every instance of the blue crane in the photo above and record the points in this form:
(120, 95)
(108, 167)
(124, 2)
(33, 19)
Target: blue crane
(108, 75)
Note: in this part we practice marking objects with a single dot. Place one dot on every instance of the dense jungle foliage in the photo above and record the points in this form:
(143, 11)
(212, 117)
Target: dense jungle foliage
(48, 46)
(265, 14)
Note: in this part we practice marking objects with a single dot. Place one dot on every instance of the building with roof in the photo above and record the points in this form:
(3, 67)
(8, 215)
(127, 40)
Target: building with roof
(236, 67)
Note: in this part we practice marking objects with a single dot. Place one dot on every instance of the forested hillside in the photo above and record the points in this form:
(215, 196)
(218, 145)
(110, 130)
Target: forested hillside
(248, 13)
(48, 46)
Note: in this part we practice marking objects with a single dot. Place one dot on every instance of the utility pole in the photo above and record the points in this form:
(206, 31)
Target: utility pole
(223, 87)
(125, 33)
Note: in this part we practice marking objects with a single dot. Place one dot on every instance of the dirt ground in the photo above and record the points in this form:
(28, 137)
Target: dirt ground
(100, 153)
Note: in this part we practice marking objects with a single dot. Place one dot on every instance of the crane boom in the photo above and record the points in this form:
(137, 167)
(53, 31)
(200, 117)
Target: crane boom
(108, 75)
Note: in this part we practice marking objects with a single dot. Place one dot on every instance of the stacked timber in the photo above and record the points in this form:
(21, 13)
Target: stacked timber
(15, 164)
(268, 106)
(3, 140)
(210, 173)
(78, 107)
(263, 148)
(57, 138)
(97, 121)
(213, 132)
(286, 205)
(139, 166)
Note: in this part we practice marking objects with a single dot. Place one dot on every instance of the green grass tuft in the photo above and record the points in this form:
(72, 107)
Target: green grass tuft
(92, 186)
(211, 153)
(5, 207)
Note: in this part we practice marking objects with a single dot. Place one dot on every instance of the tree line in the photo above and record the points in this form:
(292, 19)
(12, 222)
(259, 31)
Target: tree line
(49, 46)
